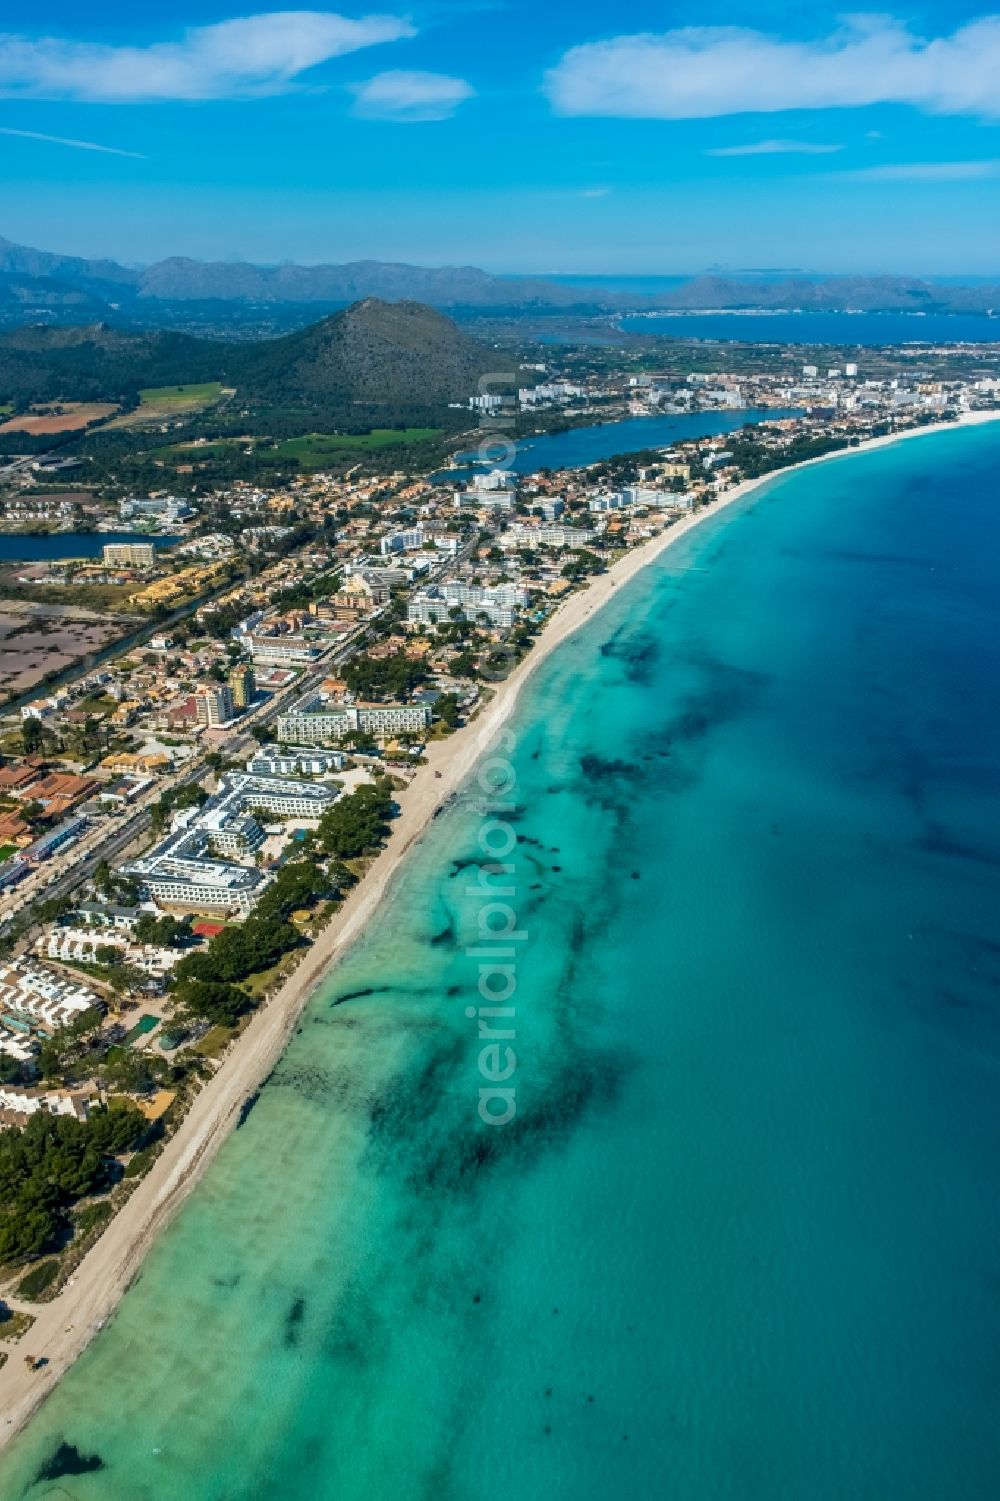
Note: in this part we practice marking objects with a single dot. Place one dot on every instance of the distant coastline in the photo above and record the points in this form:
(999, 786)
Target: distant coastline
(65, 1326)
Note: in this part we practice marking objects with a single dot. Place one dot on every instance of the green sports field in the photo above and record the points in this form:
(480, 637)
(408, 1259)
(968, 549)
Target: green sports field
(316, 449)
(165, 397)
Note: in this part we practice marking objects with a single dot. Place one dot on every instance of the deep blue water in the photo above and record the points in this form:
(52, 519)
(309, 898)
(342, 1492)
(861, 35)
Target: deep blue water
(23, 548)
(740, 1241)
(862, 329)
(588, 445)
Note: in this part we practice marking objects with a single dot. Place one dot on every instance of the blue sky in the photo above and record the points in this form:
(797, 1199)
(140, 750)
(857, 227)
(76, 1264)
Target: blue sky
(519, 135)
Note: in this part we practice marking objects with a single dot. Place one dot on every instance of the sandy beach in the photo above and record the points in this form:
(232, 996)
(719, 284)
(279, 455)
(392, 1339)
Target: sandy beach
(64, 1326)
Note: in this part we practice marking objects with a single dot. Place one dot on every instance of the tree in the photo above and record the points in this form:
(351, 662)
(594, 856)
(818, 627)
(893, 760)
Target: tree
(51, 1162)
(463, 665)
(60, 1055)
(446, 709)
(377, 678)
(12, 1070)
(219, 1003)
(356, 822)
(163, 932)
(32, 736)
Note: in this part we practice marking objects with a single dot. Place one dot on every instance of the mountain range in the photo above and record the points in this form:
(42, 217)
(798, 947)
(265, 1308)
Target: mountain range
(179, 279)
(38, 282)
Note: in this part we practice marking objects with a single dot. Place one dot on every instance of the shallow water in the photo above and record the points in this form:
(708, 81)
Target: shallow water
(740, 1239)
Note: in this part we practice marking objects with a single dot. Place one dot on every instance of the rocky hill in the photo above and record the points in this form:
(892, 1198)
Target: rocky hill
(374, 359)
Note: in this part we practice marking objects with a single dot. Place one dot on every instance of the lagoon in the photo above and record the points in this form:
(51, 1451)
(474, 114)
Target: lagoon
(37, 547)
(580, 446)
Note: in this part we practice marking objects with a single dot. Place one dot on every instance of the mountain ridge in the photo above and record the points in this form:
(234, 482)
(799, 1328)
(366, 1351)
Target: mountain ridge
(33, 279)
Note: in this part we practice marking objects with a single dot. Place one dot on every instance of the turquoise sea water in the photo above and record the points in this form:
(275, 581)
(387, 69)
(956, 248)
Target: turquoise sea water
(741, 1238)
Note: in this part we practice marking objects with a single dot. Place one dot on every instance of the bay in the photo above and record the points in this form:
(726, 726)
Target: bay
(845, 329)
(739, 1239)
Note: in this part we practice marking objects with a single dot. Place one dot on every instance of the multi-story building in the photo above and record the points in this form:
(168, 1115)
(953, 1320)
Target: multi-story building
(285, 797)
(243, 685)
(16, 1041)
(129, 554)
(403, 541)
(494, 479)
(175, 876)
(369, 587)
(498, 603)
(161, 507)
(282, 651)
(215, 705)
(230, 832)
(80, 945)
(295, 764)
(520, 535)
(493, 500)
(316, 721)
(187, 869)
(65, 833)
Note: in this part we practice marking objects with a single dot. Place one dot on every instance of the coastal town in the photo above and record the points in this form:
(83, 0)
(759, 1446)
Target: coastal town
(187, 808)
(499, 752)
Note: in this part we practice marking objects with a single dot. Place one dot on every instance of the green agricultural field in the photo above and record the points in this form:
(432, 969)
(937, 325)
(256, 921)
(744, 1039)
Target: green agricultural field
(168, 397)
(6, 850)
(316, 449)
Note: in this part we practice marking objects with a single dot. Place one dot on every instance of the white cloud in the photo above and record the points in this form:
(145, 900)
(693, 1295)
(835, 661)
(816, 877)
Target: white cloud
(251, 55)
(594, 192)
(701, 71)
(409, 97)
(925, 172)
(775, 148)
(36, 135)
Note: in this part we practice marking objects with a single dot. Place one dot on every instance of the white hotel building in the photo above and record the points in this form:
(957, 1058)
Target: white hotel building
(521, 535)
(315, 720)
(185, 869)
(282, 651)
(499, 603)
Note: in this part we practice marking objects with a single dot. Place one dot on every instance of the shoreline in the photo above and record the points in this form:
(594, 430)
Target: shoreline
(65, 1326)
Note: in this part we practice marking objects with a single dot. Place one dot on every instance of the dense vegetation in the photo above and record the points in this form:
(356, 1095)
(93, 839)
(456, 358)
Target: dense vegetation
(356, 823)
(206, 983)
(49, 1164)
(373, 364)
(384, 678)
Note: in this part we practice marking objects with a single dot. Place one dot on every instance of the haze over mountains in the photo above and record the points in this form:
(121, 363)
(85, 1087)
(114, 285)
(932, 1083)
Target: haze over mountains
(38, 283)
